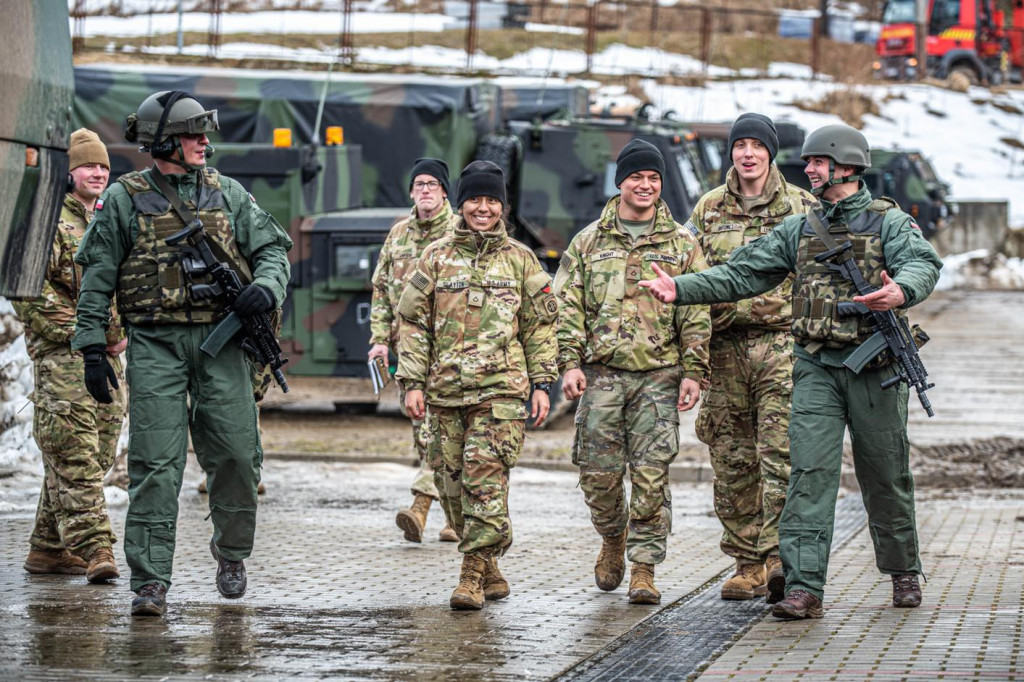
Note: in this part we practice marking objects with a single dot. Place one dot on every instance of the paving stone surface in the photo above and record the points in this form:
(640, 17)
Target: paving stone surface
(334, 591)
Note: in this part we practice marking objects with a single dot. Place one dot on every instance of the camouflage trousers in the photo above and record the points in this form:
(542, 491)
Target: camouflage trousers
(471, 452)
(78, 439)
(744, 420)
(629, 418)
(423, 483)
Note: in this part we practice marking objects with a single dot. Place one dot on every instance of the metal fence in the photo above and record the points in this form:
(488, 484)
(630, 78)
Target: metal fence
(719, 39)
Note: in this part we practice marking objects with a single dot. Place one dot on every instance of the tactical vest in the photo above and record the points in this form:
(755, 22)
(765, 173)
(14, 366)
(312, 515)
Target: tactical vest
(817, 290)
(151, 286)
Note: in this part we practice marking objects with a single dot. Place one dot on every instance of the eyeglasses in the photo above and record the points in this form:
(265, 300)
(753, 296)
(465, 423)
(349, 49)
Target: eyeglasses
(420, 186)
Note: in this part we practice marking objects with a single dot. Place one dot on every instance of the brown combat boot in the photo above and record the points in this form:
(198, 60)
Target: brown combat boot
(413, 520)
(798, 604)
(494, 583)
(746, 583)
(448, 534)
(641, 585)
(469, 594)
(101, 566)
(906, 591)
(61, 562)
(611, 562)
(776, 580)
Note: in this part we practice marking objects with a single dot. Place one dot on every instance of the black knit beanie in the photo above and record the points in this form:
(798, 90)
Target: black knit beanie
(638, 156)
(435, 168)
(482, 179)
(758, 127)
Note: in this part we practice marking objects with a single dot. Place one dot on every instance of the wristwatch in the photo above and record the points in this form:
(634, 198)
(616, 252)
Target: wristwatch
(543, 386)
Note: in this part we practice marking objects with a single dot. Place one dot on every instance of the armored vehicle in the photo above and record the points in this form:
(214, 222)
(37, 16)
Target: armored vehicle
(35, 123)
(904, 176)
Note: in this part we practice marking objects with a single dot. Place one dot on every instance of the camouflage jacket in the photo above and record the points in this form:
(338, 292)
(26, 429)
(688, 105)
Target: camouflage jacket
(764, 263)
(50, 319)
(604, 315)
(722, 226)
(397, 262)
(477, 320)
(114, 230)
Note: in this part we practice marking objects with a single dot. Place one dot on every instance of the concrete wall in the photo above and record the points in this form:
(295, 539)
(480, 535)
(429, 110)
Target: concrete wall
(975, 224)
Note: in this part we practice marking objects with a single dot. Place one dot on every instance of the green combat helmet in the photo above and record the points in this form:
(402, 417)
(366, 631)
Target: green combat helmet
(840, 144)
(162, 117)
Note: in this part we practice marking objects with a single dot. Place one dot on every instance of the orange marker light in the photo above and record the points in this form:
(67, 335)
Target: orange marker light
(282, 137)
(31, 156)
(334, 136)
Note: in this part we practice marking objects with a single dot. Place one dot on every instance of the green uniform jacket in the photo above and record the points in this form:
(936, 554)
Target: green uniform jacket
(113, 230)
(721, 226)
(605, 317)
(761, 265)
(477, 320)
(397, 262)
(50, 318)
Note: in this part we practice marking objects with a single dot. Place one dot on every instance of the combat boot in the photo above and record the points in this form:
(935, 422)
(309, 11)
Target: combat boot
(413, 520)
(101, 566)
(448, 534)
(798, 604)
(641, 585)
(611, 562)
(469, 594)
(776, 580)
(906, 591)
(61, 562)
(746, 583)
(150, 600)
(494, 583)
(231, 577)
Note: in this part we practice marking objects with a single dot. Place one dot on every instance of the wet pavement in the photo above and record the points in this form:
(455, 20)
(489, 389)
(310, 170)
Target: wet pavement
(335, 593)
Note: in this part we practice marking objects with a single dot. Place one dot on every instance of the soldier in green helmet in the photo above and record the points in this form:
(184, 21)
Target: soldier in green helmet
(828, 397)
(175, 388)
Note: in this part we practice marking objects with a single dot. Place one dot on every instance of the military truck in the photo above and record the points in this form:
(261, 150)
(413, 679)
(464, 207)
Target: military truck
(905, 176)
(339, 202)
(35, 124)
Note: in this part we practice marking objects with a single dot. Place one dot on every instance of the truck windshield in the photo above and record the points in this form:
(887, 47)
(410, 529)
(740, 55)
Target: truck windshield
(898, 12)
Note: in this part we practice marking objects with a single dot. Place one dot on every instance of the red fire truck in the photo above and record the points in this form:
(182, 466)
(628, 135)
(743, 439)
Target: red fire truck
(966, 36)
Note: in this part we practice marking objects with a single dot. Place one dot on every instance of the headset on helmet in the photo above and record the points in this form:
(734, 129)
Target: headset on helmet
(162, 117)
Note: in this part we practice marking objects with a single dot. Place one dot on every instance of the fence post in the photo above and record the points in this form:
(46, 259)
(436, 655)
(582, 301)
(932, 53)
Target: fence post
(471, 35)
(346, 33)
(705, 38)
(815, 48)
(591, 34)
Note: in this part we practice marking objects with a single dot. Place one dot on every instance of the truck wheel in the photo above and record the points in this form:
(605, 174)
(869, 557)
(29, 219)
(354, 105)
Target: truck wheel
(960, 72)
(502, 150)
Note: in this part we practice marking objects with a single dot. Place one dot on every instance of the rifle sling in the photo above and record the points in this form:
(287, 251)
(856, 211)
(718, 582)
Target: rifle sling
(188, 217)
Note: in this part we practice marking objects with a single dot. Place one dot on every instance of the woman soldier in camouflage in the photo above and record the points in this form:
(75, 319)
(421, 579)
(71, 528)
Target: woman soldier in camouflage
(477, 335)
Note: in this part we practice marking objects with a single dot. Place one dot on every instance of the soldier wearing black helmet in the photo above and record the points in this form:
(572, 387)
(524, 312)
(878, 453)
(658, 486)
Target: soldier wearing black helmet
(175, 389)
(828, 397)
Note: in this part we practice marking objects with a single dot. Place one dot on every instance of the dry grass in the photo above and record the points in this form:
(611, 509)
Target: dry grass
(848, 104)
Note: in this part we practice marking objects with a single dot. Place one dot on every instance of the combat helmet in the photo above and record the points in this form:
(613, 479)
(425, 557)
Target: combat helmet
(840, 144)
(162, 117)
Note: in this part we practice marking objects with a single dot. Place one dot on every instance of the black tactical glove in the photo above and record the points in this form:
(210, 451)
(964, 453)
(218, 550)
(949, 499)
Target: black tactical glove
(97, 372)
(253, 299)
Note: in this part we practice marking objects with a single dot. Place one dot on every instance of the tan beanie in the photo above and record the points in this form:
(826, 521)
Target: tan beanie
(86, 148)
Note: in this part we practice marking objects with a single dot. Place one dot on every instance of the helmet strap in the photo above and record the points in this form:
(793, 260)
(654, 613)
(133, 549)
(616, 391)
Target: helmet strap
(833, 180)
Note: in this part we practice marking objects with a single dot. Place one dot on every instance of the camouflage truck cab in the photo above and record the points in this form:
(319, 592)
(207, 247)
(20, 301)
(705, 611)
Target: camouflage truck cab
(561, 173)
(35, 122)
(904, 176)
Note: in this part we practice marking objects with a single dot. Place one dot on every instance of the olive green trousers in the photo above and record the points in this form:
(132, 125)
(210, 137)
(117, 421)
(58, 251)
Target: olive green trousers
(175, 389)
(826, 401)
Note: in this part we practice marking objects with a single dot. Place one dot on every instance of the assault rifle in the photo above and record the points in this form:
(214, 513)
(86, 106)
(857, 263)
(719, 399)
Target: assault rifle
(198, 260)
(891, 331)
